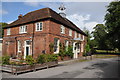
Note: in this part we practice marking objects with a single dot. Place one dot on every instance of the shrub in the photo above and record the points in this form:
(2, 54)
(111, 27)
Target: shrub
(54, 57)
(5, 59)
(51, 47)
(87, 51)
(62, 51)
(51, 57)
(29, 60)
(47, 58)
(41, 59)
(69, 52)
(12, 62)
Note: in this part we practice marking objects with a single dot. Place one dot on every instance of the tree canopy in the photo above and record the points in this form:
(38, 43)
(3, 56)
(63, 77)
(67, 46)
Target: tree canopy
(99, 35)
(1, 28)
(112, 19)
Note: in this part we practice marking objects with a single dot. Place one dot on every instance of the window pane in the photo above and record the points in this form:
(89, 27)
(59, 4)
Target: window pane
(19, 46)
(37, 26)
(55, 44)
(62, 29)
(27, 42)
(8, 31)
(40, 26)
(25, 28)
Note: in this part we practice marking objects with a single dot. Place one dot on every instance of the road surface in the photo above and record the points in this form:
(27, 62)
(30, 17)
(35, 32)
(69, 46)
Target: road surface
(97, 68)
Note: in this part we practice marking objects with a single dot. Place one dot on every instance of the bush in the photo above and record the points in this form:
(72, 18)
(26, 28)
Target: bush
(69, 52)
(30, 60)
(47, 58)
(87, 51)
(52, 57)
(5, 59)
(41, 59)
(62, 53)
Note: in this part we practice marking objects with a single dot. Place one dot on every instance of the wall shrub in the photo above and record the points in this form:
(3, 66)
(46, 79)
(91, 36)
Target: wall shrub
(47, 58)
(69, 52)
(41, 59)
(29, 60)
(5, 59)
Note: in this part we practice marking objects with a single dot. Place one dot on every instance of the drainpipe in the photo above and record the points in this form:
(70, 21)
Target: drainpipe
(33, 40)
(16, 46)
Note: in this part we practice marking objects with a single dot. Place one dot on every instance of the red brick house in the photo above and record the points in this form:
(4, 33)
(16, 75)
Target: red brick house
(32, 34)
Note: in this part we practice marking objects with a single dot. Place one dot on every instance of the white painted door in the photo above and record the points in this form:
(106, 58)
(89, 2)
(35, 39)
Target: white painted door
(75, 50)
(26, 48)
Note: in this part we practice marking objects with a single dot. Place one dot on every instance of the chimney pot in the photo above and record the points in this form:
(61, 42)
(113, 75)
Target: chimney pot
(20, 16)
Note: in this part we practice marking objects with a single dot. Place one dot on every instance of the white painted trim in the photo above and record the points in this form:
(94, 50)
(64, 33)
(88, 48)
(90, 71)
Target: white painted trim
(39, 27)
(18, 46)
(22, 31)
(58, 47)
(25, 48)
(8, 31)
(63, 29)
(70, 32)
(74, 51)
(82, 47)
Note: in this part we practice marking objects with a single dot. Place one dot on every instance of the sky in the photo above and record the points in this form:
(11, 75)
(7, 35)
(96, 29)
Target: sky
(82, 14)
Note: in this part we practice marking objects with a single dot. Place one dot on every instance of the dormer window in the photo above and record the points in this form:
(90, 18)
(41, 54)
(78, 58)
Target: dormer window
(8, 31)
(62, 29)
(39, 26)
(23, 29)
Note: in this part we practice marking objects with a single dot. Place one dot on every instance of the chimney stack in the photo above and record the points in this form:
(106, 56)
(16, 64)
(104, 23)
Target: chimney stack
(20, 16)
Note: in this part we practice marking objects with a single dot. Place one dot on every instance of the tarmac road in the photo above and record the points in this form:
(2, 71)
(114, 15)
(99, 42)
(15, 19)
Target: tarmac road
(97, 68)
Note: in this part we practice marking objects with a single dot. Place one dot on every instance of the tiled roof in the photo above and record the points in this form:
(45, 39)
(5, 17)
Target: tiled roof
(45, 13)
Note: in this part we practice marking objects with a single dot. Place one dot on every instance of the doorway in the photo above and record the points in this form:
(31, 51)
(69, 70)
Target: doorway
(27, 49)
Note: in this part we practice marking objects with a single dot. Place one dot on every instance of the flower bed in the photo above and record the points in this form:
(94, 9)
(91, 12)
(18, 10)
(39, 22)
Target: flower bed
(15, 69)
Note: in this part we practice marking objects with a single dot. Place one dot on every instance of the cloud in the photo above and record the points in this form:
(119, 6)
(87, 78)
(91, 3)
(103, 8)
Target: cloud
(91, 25)
(9, 22)
(2, 12)
(33, 4)
(80, 21)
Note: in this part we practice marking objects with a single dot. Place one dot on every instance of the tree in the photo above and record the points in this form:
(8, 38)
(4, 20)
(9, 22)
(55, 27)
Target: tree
(2, 25)
(112, 19)
(90, 42)
(100, 36)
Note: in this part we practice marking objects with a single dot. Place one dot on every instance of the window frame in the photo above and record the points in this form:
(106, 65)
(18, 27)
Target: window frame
(57, 45)
(62, 29)
(75, 34)
(38, 28)
(70, 32)
(79, 35)
(66, 44)
(23, 29)
(19, 45)
(8, 31)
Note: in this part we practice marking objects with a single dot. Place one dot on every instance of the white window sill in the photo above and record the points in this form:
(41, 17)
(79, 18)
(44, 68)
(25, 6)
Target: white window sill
(19, 51)
(56, 52)
(39, 30)
(23, 32)
(62, 33)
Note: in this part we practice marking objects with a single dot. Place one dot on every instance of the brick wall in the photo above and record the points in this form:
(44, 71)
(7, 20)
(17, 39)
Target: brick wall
(41, 39)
